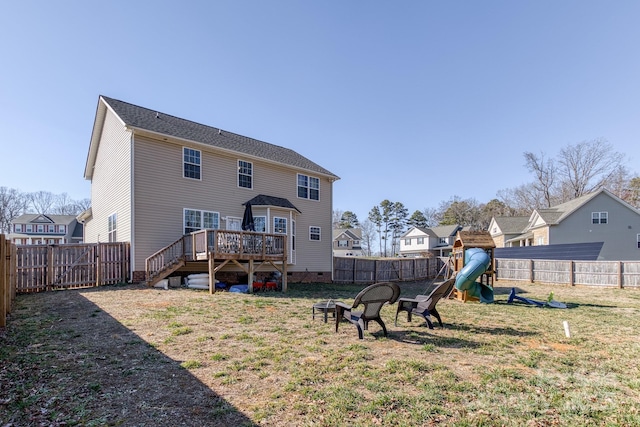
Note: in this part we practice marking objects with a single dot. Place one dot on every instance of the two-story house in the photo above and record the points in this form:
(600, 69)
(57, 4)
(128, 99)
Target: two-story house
(510, 231)
(156, 177)
(347, 242)
(599, 217)
(40, 229)
(426, 242)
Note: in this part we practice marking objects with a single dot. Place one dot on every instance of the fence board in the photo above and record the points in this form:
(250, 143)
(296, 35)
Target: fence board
(45, 267)
(587, 273)
(366, 270)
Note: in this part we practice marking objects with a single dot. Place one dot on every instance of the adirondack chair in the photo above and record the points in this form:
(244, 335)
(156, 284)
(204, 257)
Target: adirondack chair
(373, 298)
(425, 305)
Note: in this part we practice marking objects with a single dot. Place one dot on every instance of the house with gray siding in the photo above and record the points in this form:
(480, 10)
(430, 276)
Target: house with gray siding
(156, 177)
(598, 217)
(45, 229)
(347, 242)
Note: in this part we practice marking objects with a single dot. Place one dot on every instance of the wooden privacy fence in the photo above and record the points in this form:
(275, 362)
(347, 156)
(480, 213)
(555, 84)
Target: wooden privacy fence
(364, 270)
(47, 267)
(621, 274)
(7, 278)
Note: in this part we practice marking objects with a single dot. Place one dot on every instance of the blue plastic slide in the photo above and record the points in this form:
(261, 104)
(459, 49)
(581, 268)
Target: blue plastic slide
(476, 262)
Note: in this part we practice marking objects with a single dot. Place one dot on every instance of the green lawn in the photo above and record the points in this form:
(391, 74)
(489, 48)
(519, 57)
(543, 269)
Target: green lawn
(261, 360)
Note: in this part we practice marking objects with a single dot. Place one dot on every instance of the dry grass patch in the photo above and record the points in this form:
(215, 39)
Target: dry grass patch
(129, 355)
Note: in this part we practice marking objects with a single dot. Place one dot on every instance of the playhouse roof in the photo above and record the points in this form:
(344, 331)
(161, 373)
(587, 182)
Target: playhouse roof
(474, 239)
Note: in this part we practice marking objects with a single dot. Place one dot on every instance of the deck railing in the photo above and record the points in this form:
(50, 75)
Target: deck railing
(223, 244)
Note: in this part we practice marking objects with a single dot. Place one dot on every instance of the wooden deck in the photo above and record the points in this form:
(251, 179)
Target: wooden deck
(246, 249)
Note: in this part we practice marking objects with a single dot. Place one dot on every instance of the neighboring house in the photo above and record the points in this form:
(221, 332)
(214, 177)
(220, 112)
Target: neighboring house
(510, 231)
(347, 242)
(598, 217)
(41, 229)
(155, 177)
(426, 242)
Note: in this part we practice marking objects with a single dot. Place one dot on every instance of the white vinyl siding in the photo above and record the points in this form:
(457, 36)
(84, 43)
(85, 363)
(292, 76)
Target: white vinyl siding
(161, 194)
(111, 184)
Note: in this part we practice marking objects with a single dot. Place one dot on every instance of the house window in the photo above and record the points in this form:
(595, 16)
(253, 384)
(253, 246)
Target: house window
(599, 217)
(195, 220)
(314, 233)
(308, 187)
(51, 228)
(343, 243)
(260, 223)
(420, 240)
(113, 227)
(40, 228)
(638, 240)
(62, 228)
(191, 162)
(17, 228)
(29, 228)
(540, 241)
(19, 241)
(407, 242)
(442, 240)
(245, 174)
(280, 225)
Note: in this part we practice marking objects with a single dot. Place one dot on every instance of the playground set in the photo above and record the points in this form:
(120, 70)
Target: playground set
(474, 266)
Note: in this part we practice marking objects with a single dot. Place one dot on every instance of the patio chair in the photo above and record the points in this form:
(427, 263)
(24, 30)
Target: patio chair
(373, 297)
(425, 305)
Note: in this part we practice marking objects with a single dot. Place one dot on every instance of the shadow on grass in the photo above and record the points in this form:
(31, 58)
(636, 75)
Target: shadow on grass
(66, 361)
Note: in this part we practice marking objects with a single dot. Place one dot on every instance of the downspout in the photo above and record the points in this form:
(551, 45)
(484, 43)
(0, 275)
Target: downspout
(132, 216)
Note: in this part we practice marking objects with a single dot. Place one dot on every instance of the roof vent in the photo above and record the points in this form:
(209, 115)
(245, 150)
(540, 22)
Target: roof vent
(157, 115)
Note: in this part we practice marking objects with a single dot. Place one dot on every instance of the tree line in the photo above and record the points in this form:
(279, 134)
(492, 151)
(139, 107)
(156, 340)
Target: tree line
(14, 203)
(578, 169)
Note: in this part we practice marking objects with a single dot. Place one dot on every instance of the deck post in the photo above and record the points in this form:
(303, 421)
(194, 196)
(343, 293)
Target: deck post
(212, 273)
(250, 276)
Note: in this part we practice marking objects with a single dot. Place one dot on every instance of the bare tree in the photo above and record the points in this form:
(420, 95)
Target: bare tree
(82, 205)
(335, 218)
(368, 230)
(545, 173)
(13, 203)
(588, 165)
(42, 201)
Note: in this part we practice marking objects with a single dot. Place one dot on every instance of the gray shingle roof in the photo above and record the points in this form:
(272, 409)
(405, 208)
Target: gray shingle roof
(512, 224)
(264, 200)
(157, 122)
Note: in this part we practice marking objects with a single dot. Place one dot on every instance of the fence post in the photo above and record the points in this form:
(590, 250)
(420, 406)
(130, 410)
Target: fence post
(4, 289)
(620, 275)
(531, 270)
(97, 261)
(571, 274)
(49, 270)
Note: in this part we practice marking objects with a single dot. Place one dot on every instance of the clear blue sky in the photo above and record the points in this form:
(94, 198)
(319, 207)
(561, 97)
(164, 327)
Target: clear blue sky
(413, 101)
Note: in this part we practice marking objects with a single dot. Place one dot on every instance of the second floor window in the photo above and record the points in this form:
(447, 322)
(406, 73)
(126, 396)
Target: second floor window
(343, 243)
(442, 241)
(638, 239)
(407, 242)
(245, 174)
(421, 240)
(314, 233)
(599, 217)
(308, 187)
(17, 228)
(191, 163)
(112, 228)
